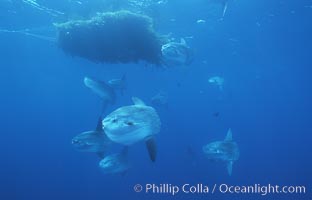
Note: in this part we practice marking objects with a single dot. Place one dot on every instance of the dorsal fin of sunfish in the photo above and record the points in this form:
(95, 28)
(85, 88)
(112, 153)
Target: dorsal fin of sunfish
(138, 101)
(228, 137)
(99, 126)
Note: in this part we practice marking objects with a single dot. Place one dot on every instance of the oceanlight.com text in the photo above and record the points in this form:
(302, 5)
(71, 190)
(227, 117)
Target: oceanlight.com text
(258, 189)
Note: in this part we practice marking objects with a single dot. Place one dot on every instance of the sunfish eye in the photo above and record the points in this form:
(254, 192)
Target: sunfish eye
(114, 120)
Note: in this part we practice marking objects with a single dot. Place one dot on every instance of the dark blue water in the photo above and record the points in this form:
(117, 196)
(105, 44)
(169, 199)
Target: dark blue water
(263, 51)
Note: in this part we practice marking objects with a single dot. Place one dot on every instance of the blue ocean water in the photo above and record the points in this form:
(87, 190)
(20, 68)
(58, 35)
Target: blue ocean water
(261, 49)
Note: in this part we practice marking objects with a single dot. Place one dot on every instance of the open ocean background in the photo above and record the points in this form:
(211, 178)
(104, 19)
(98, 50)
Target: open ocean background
(261, 48)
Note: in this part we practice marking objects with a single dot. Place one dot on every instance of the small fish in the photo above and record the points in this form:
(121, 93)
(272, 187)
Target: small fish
(217, 80)
(162, 2)
(201, 21)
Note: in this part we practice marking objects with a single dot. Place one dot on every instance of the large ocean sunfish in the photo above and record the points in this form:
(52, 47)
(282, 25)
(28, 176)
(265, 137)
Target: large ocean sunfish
(131, 124)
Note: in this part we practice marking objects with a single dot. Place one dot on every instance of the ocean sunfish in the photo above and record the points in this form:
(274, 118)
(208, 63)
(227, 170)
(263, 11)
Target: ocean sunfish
(131, 124)
(115, 163)
(118, 83)
(160, 99)
(102, 89)
(176, 54)
(226, 151)
(92, 141)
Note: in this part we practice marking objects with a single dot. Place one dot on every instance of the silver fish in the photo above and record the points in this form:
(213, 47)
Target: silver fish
(218, 81)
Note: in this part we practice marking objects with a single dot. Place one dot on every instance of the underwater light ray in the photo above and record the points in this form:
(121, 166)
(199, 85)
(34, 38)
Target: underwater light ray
(47, 10)
(26, 33)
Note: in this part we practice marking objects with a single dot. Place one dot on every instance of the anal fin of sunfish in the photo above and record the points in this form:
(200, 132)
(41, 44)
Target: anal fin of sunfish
(151, 148)
(99, 126)
(230, 167)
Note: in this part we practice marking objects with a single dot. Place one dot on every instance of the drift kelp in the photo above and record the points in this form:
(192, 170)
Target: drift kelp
(112, 37)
